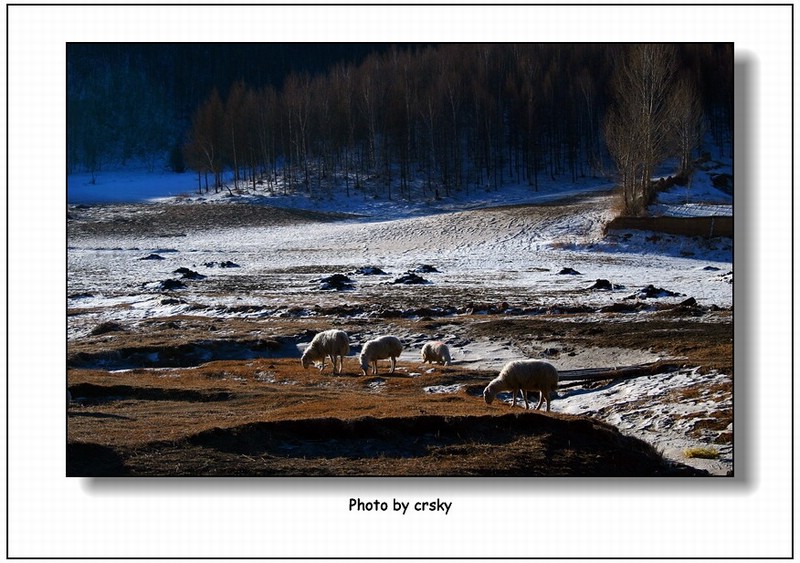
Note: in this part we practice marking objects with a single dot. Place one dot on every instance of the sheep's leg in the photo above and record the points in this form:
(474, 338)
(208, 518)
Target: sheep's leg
(394, 363)
(525, 397)
(513, 398)
(541, 398)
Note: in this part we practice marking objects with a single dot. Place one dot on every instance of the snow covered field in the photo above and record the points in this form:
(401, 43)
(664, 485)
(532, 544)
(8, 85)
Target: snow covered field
(473, 242)
(530, 251)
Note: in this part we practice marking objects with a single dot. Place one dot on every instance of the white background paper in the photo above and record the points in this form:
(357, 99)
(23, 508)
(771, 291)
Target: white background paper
(53, 516)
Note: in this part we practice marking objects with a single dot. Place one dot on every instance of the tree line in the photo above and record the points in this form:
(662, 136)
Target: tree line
(436, 119)
(129, 101)
(403, 120)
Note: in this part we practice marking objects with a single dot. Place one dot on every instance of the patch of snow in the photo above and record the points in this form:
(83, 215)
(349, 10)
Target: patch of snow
(455, 388)
(651, 409)
(377, 385)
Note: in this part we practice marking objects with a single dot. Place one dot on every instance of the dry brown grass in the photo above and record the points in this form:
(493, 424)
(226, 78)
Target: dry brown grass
(704, 453)
(268, 416)
(271, 417)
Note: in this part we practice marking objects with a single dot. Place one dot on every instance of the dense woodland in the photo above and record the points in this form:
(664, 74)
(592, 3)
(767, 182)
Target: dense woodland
(406, 121)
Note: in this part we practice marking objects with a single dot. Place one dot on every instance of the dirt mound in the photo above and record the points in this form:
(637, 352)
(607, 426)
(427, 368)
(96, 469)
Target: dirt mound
(529, 444)
(410, 278)
(336, 282)
(653, 292)
(188, 274)
(369, 271)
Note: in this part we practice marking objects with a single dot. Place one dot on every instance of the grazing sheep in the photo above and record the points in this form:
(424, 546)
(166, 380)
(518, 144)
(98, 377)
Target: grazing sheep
(437, 352)
(331, 343)
(524, 375)
(379, 349)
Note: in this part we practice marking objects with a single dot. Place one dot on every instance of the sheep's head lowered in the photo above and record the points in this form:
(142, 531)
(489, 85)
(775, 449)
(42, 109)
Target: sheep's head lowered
(488, 394)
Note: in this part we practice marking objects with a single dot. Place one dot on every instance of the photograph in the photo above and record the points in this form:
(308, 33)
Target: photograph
(363, 259)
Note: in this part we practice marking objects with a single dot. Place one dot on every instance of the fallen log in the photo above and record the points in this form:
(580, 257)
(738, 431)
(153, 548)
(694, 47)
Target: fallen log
(621, 372)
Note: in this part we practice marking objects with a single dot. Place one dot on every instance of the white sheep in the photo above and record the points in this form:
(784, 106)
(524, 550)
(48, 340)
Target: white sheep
(332, 343)
(436, 352)
(379, 349)
(524, 375)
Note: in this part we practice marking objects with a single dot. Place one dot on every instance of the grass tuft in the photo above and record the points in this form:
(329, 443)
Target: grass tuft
(701, 452)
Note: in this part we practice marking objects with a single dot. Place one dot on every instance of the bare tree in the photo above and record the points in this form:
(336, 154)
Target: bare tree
(346, 125)
(204, 152)
(298, 98)
(236, 128)
(639, 124)
(687, 120)
(367, 101)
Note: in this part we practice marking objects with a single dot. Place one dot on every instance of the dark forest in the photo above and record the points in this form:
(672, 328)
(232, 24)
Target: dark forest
(413, 119)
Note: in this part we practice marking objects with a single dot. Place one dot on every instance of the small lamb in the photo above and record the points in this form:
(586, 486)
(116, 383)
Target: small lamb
(436, 352)
(524, 375)
(379, 349)
(332, 343)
